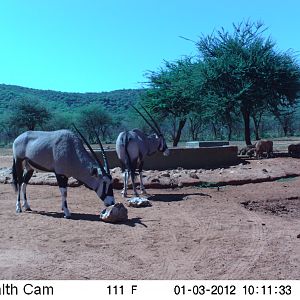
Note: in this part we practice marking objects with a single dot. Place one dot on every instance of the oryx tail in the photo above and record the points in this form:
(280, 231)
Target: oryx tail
(15, 176)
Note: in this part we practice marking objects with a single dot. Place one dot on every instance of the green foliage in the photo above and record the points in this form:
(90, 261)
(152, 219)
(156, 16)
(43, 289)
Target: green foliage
(245, 73)
(237, 74)
(115, 101)
(60, 120)
(173, 93)
(172, 89)
(95, 119)
(28, 114)
(238, 82)
(64, 108)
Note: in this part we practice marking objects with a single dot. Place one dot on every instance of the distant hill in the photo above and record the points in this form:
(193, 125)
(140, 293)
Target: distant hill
(115, 101)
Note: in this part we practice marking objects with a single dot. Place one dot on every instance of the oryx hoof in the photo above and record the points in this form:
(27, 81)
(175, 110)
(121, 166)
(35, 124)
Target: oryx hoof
(18, 210)
(27, 208)
(67, 217)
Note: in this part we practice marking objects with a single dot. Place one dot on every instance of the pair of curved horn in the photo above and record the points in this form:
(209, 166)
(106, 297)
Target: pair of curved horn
(105, 169)
(154, 126)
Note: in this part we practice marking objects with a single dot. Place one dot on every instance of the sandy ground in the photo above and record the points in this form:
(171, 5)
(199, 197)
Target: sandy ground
(248, 228)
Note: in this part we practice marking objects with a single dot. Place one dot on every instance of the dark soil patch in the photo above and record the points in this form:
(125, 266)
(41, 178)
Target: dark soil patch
(279, 207)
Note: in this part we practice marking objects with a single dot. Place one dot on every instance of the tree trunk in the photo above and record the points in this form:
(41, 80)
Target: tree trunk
(214, 130)
(178, 133)
(246, 117)
(257, 118)
(285, 129)
(192, 129)
(229, 132)
(256, 128)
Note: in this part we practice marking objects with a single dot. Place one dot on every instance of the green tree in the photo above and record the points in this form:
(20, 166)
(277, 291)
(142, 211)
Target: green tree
(195, 125)
(244, 68)
(29, 113)
(285, 117)
(7, 130)
(172, 93)
(60, 120)
(94, 119)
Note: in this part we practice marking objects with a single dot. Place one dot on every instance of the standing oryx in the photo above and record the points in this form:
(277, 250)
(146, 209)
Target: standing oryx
(63, 153)
(133, 146)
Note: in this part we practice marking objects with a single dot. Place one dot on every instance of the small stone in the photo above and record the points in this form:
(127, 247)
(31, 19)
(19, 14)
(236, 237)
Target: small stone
(298, 236)
(176, 175)
(114, 213)
(194, 175)
(155, 180)
(165, 175)
(139, 202)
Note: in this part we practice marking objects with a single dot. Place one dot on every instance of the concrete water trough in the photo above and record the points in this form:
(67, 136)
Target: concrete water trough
(187, 158)
(197, 144)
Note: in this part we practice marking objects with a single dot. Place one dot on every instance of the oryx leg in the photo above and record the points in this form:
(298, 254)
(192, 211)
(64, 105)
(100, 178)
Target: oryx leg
(18, 203)
(142, 187)
(132, 175)
(26, 178)
(19, 177)
(63, 183)
(125, 180)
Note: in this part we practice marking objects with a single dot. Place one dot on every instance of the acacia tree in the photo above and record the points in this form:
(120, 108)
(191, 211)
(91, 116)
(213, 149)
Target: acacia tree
(29, 113)
(7, 130)
(94, 119)
(61, 120)
(245, 69)
(172, 93)
(196, 125)
(285, 117)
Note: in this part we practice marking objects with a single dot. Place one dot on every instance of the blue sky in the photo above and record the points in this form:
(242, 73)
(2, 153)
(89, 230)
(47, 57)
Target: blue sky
(104, 45)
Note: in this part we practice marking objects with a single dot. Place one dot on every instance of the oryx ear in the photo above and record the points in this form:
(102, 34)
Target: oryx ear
(94, 171)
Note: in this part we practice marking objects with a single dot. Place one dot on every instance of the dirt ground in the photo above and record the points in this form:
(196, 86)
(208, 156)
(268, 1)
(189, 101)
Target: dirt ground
(241, 222)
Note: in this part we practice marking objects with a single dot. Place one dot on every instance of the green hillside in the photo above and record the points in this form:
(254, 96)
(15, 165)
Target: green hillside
(115, 101)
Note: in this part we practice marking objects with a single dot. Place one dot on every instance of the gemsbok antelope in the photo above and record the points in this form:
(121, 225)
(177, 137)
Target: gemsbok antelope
(133, 146)
(63, 153)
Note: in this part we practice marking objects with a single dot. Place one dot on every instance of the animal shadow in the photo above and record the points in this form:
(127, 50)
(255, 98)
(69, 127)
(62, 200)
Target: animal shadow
(89, 217)
(174, 197)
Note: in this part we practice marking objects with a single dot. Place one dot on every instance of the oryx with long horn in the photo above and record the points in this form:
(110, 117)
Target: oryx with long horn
(63, 153)
(133, 146)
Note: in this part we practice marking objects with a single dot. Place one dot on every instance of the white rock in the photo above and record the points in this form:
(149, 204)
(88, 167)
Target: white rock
(138, 202)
